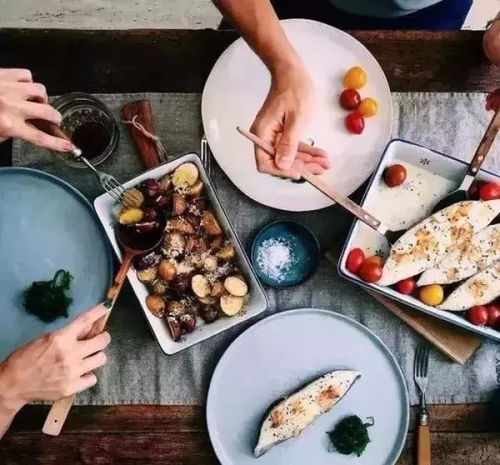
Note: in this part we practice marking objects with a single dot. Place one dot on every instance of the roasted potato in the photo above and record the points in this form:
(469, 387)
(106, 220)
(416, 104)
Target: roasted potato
(134, 197)
(167, 271)
(174, 244)
(130, 215)
(196, 189)
(217, 289)
(210, 263)
(210, 224)
(236, 286)
(156, 305)
(180, 224)
(200, 285)
(179, 204)
(160, 287)
(226, 253)
(209, 313)
(207, 300)
(147, 275)
(176, 307)
(165, 182)
(185, 176)
(230, 304)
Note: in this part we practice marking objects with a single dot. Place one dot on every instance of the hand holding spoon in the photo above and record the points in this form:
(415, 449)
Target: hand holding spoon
(133, 243)
(331, 192)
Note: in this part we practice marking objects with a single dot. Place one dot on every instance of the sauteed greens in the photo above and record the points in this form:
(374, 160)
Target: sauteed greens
(351, 435)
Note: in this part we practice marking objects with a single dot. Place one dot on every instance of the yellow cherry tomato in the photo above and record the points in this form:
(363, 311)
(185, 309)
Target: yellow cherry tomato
(432, 294)
(355, 78)
(375, 259)
(368, 107)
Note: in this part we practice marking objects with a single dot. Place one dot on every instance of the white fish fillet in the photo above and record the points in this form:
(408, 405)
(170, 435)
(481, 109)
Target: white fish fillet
(466, 259)
(293, 414)
(481, 289)
(425, 245)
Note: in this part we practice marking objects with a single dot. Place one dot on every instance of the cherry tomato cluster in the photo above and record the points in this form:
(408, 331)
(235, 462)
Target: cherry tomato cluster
(485, 191)
(368, 269)
(350, 100)
(485, 315)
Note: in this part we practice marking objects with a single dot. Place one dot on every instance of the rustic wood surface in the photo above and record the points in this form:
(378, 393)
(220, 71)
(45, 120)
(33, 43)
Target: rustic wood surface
(179, 61)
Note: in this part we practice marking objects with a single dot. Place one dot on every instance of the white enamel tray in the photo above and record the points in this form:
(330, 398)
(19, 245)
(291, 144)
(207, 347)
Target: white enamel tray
(430, 176)
(237, 87)
(257, 303)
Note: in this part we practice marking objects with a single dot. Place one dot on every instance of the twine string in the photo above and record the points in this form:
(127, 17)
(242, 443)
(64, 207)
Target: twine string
(162, 153)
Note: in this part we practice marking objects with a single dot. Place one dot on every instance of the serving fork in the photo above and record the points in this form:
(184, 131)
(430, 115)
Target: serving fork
(420, 375)
(205, 155)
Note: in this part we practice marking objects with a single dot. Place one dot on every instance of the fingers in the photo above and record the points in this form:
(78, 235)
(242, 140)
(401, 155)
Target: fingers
(32, 110)
(288, 144)
(323, 161)
(82, 324)
(16, 75)
(95, 344)
(93, 362)
(86, 381)
(29, 133)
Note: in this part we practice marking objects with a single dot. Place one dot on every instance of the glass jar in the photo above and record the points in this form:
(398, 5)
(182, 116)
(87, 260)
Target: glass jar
(90, 125)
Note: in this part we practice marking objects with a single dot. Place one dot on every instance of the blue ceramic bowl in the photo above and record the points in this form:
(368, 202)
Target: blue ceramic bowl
(285, 254)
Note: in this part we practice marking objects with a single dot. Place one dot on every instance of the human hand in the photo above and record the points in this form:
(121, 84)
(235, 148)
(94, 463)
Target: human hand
(56, 364)
(493, 100)
(22, 100)
(281, 122)
(491, 42)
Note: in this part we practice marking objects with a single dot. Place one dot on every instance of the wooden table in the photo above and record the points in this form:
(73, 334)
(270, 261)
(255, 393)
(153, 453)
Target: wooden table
(179, 61)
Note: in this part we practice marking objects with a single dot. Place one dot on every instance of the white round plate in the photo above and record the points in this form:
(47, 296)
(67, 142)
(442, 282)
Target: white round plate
(280, 354)
(236, 89)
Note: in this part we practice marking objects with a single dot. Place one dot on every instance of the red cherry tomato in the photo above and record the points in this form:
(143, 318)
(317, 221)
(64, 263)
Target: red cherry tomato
(350, 99)
(406, 286)
(370, 271)
(489, 191)
(354, 260)
(493, 315)
(478, 315)
(354, 122)
(395, 175)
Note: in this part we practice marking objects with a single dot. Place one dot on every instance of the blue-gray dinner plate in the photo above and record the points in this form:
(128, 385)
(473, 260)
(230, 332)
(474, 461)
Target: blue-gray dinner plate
(280, 354)
(46, 225)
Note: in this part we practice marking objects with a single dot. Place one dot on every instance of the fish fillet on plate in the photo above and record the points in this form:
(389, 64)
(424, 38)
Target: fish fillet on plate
(481, 289)
(426, 244)
(466, 259)
(293, 414)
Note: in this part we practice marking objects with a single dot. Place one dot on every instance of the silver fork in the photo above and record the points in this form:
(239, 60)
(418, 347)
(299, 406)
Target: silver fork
(206, 157)
(420, 375)
(108, 182)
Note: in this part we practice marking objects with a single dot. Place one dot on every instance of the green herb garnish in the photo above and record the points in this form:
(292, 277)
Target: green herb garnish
(351, 435)
(47, 299)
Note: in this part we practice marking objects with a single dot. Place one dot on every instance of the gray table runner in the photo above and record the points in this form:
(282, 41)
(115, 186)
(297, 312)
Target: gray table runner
(139, 373)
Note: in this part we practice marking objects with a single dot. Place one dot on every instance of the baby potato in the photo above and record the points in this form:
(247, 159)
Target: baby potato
(185, 176)
(160, 287)
(217, 289)
(178, 205)
(196, 189)
(156, 305)
(230, 304)
(210, 224)
(130, 215)
(167, 270)
(210, 263)
(165, 182)
(200, 285)
(148, 275)
(134, 197)
(236, 286)
(226, 253)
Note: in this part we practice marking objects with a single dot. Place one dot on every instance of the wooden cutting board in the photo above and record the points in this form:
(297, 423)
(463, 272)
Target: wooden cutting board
(457, 343)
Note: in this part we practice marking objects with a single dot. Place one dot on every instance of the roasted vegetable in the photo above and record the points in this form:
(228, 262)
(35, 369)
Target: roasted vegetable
(180, 224)
(160, 287)
(236, 286)
(167, 270)
(188, 322)
(134, 197)
(209, 313)
(174, 326)
(130, 215)
(185, 176)
(200, 285)
(47, 299)
(150, 188)
(210, 224)
(165, 182)
(149, 260)
(230, 304)
(147, 275)
(174, 244)
(196, 189)
(178, 205)
(217, 289)
(156, 305)
(162, 200)
(350, 435)
(176, 307)
(226, 253)
(210, 263)
(150, 214)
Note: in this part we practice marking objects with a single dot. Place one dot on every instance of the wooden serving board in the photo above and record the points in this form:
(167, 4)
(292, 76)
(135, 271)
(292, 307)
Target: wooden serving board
(457, 343)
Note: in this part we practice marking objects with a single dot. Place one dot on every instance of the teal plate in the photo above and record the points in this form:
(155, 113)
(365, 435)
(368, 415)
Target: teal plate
(46, 225)
(303, 247)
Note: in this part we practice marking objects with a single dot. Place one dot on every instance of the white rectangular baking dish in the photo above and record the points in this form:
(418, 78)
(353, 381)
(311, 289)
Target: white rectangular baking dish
(430, 176)
(257, 303)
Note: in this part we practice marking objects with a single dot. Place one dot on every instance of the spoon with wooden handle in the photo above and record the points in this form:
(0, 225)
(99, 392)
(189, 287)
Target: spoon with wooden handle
(134, 242)
(462, 193)
(331, 192)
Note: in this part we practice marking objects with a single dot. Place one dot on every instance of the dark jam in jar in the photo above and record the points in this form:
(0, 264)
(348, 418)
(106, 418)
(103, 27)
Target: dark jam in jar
(91, 138)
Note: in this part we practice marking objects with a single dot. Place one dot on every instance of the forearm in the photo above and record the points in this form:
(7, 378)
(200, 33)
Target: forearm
(9, 405)
(259, 25)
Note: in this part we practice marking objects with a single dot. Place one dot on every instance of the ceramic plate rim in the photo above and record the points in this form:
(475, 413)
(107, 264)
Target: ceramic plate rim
(384, 80)
(297, 311)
